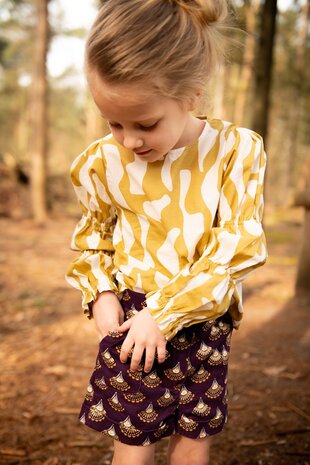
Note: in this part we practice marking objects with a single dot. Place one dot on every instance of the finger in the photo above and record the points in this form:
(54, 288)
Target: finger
(149, 358)
(136, 357)
(161, 353)
(125, 349)
(125, 326)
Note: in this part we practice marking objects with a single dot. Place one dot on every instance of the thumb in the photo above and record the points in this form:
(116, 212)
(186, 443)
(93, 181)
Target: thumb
(125, 326)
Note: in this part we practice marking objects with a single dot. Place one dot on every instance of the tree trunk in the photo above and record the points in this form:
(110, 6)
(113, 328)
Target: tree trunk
(246, 75)
(39, 117)
(303, 271)
(263, 68)
(297, 109)
(302, 199)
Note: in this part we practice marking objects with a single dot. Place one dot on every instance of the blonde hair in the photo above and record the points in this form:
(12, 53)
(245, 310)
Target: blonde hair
(175, 46)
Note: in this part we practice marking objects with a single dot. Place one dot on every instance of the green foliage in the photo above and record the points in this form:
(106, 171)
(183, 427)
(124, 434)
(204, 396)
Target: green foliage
(17, 40)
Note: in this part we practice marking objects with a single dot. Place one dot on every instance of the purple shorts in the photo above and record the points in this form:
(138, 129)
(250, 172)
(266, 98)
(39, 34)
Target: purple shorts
(186, 394)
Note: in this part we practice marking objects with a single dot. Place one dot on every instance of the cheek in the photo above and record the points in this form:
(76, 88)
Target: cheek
(117, 135)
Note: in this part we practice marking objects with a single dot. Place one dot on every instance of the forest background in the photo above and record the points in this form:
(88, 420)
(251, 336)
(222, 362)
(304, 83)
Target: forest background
(46, 347)
(264, 85)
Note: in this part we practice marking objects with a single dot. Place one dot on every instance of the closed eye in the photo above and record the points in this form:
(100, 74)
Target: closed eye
(148, 128)
(140, 126)
(115, 125)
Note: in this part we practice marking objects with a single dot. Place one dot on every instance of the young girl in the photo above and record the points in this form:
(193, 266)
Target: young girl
(172, 207)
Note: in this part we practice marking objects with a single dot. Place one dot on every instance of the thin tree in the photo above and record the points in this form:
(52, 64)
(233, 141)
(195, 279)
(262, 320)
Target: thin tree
(302, 199)
(297, 111)
(251, 8)
(263, 67)
(39, 117)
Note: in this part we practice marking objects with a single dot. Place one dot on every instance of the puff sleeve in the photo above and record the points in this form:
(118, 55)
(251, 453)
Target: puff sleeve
(93, 270)
(207, 288)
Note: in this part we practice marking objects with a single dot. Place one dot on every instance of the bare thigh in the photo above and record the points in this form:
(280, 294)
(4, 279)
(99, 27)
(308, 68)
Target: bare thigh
(125, 454)
(188, 451)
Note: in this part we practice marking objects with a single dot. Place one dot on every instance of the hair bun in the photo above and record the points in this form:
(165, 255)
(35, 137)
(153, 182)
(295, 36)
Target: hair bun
(205, 11)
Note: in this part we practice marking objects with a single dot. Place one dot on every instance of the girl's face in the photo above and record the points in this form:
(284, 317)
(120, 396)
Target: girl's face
(147, 123)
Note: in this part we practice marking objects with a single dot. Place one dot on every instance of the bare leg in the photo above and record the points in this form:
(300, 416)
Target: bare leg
(187, 451)
(133, 455)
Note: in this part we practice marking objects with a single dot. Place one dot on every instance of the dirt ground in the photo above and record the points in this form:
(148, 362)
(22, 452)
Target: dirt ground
(48, 349)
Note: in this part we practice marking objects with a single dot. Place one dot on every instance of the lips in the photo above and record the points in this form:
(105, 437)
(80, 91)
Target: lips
(143, 152)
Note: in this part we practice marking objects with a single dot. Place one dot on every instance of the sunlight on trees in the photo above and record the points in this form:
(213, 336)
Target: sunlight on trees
(73, 120)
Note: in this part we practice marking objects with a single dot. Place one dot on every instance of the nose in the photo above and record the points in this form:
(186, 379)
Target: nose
(132, 141)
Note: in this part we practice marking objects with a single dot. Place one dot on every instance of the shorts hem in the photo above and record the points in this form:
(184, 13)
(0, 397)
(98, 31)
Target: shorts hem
(144, 439)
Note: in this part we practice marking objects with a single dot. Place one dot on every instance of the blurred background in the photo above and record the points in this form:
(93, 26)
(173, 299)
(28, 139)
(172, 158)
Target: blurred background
(47, 117)
(47, 347)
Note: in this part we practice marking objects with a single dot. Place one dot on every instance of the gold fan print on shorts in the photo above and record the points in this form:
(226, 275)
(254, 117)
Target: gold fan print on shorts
(148, 415)
(203, 433)
(187, 423)
(101, 383)
(175, 373)
(207, 325)
(204, 351)
(217, 419)
(224, 327)
(126, 296)
(215, 333)
(151, 380)
(128, 429)
(132, 312)
(89, 392)
(186, 396)
(119, 383)
(201, 375)
(215, 358)
(161, 430)
(202, 409)
(228, 340)
(134, 398)
(115, 403)
(110, 432)
(98, 366)
(108, 359)
(136, 375)
(166, 399)
(180, 342)
(225, 356)
(97, 412)
(190, 369)
(215, 390)
(146, 442)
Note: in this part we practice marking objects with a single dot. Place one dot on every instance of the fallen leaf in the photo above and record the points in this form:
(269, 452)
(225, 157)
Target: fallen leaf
(274, 371)
(59, 370)
(293, 376)
(13, 452)
(251, 442)
(51, 461)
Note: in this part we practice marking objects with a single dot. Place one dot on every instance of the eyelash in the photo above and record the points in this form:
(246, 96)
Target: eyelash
(143, 128)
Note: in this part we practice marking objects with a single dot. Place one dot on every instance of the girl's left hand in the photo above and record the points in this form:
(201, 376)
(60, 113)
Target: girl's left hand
(144, 335)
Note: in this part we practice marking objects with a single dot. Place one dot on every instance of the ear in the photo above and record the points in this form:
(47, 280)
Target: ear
(193, 100)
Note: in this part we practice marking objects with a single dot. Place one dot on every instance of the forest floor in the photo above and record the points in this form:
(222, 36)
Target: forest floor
(48, 349)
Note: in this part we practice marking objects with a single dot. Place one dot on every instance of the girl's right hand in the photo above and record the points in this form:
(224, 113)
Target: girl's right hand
(107, 312)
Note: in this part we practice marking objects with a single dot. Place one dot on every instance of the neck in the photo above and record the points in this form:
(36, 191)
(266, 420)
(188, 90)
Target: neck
(192, 131)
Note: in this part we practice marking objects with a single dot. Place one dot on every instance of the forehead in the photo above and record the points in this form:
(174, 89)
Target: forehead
(131, 100)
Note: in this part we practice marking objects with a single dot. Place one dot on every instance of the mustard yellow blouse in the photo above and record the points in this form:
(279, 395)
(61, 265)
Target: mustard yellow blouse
(185, 230)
